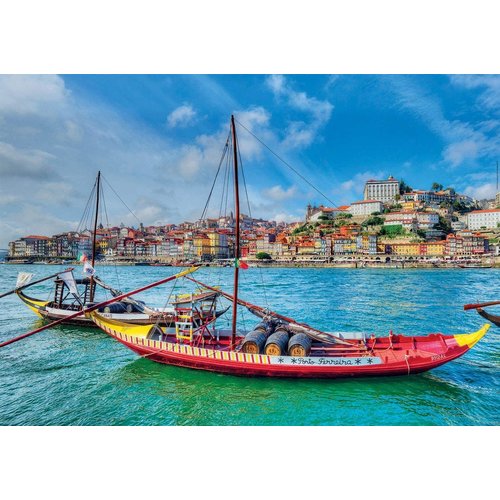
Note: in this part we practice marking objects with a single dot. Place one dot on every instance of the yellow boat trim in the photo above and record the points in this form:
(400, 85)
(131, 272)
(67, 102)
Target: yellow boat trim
(471, 339)
(36, 303)
(120, 327)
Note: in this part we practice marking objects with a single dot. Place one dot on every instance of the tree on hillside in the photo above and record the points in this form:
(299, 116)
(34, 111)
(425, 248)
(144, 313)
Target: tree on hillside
(404, 188)
(436, 186)
(263, 256)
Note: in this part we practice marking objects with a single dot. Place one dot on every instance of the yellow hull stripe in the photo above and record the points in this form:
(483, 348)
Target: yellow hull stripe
(180, 348)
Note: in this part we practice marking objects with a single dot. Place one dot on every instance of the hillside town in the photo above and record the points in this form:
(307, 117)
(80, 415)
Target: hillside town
(392, 223)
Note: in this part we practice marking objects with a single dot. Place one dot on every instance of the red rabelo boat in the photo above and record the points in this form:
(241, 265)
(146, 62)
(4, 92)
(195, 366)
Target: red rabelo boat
(278, 346)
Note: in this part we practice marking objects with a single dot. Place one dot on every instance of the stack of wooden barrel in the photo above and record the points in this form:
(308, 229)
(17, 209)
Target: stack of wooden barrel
(275, 339)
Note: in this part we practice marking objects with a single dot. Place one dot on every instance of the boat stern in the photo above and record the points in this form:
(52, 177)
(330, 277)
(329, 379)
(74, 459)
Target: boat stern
(471, 339)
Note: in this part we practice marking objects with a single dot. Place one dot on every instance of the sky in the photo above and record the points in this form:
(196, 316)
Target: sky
(158, 140)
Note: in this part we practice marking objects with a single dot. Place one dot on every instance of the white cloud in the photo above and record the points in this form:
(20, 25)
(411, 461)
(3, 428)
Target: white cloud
(352, 189)
(277, 193)
(17, 162)
(481, 191)
(300, 133)
(32, 94)
(463, 141)
(190, 161)
(456, 153)
(288, 217)
(488, 84)
(181, 117)
(54, 140)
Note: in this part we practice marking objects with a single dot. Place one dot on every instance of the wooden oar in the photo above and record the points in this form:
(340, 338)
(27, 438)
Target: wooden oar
(484, 304)
(35, 282)
(101, 304)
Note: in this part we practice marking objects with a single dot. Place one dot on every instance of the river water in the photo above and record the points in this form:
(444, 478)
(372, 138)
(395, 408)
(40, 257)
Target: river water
(80, 376)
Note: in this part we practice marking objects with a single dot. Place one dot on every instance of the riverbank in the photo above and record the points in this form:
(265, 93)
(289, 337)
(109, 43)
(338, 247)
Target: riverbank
(379, 262)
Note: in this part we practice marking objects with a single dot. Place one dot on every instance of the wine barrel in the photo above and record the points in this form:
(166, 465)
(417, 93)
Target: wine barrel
(117, 307)
(254, 341)
(299, 345)
(277, 342)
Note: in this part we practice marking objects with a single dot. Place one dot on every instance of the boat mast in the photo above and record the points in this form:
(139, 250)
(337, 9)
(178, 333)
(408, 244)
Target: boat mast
(94, 236)
(237, 234)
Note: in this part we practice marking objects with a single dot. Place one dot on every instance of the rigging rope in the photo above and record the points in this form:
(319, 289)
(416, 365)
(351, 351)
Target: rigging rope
(287, 164)
(118, 196)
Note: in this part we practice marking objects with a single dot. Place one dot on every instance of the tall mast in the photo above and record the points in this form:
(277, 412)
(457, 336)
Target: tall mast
(237, 234)
(94, 236)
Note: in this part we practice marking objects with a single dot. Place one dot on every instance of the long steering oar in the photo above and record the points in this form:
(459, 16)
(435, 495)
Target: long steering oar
(478, 306)
(101, 304)
(35, 282)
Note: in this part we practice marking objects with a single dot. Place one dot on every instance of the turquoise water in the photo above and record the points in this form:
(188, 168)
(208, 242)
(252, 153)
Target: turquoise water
(80, 376)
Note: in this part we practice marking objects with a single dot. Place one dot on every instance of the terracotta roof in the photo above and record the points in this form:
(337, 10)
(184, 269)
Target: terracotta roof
(491, 210)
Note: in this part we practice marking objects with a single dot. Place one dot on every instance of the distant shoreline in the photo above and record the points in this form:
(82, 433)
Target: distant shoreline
(490, 262)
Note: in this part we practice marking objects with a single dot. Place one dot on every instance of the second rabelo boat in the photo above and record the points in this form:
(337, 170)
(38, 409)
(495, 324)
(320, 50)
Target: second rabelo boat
(278, 346)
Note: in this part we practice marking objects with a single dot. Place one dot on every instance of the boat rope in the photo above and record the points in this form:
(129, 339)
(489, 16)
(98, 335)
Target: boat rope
(108, 225)
(287, 164)
(407, 363)
(85, 216)
(261, 274)
(118, 196)
(224, 151)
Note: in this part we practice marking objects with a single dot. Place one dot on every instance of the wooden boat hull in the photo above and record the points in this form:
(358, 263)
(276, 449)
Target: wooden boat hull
(490, 317)
(44, 310)
(406, 356)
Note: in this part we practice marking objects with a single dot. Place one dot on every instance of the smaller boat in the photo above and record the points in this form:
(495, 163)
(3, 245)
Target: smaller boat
(494, 318)
(474, 265)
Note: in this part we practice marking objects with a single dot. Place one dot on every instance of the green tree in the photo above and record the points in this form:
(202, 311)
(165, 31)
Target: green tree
(374, 221)
(263, 256)
(404, 188)
(436, 186)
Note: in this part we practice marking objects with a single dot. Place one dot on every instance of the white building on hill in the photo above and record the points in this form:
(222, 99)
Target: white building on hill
(384, 191)
(366, 207)
(488, 219)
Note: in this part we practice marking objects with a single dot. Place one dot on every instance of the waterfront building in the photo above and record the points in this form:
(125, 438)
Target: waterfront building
(466, 244)
(405, 249)
(201, 243)
(218, 245)
(384, 191)
(487, 219)
(433, 248)
(366, 207)
(344, 245)
(267, 243)
(315, 214)
(430, 197)
(366, 244)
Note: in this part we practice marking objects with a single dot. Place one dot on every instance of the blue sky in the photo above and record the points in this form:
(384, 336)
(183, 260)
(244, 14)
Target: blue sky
(158, 139)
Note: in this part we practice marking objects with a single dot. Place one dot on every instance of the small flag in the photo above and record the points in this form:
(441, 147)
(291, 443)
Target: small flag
(69, 281)
(240, 263)
(88, 270)
(23, 279)
(83, 258)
